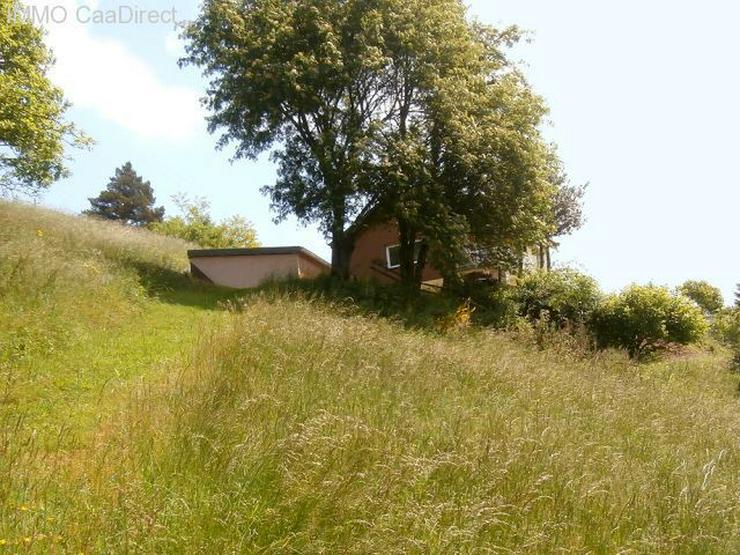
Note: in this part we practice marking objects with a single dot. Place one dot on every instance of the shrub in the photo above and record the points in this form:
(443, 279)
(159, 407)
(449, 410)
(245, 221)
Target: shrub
(707, 296)
(494, 304)
(726, 328)
(563, 297)
(196, 226)
(644, 318)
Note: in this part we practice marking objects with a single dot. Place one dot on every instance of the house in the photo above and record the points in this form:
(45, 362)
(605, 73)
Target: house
(376, 258)
(244, 268)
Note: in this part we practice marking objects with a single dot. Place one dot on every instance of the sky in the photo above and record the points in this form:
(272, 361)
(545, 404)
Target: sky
(643, 104)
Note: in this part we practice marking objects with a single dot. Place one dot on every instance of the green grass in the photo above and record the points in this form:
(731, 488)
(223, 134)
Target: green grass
(87, 306)
(166, 424)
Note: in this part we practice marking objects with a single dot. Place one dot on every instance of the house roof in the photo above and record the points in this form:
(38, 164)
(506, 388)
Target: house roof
(260, 251)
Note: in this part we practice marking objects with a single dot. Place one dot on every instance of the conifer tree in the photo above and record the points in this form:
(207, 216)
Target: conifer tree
(128, 198)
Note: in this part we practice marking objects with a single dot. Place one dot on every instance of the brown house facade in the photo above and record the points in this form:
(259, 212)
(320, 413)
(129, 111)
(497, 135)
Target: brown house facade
(375, 257)
(376, 252)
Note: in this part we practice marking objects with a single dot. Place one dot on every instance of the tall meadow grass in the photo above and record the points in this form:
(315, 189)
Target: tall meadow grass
(67, 286)
(62, 275)
(298, 429)
(289, 424)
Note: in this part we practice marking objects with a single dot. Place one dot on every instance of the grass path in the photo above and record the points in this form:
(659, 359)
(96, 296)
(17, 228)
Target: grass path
(74, 389)
(55, 404)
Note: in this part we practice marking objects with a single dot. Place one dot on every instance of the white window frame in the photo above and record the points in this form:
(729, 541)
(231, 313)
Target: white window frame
(388, 255)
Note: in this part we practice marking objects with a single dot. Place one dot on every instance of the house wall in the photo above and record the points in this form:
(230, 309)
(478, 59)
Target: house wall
(242, 272)
(308, 268)
(369, 261)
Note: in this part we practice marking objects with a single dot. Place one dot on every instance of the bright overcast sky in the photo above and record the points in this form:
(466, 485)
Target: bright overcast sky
(644, 106)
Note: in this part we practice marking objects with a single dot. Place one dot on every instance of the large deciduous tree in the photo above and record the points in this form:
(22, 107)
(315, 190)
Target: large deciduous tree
(380, 109)
(33, 129)
(467, 169)
(306, 75)
(127, 198)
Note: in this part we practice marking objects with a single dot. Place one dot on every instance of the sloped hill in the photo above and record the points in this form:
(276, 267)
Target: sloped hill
(292, 425)
(297, 429)
(75, 288)
(62, 276)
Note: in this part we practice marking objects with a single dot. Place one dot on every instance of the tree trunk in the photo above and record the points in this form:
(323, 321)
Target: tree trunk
(341, 254)
(541, 257)
(407, 248)
(421, 261)
(342, 243)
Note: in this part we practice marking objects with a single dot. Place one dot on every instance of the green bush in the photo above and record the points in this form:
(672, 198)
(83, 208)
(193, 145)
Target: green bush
(493, 305)
(726, 328)
(707, 296)
(644, 318)
(563, 297)
(196, 226)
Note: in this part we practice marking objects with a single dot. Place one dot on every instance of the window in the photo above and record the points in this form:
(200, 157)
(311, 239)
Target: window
(393, 255)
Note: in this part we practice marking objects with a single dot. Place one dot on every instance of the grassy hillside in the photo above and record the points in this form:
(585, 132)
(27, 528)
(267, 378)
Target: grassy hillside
(79, 292)
(62, 276)
(163, 423)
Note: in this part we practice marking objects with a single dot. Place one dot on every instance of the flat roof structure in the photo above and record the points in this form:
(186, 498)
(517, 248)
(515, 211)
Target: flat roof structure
(246, 268)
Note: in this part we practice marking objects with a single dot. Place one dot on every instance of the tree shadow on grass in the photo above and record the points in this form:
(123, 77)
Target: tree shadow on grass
(173, 287)
(420, 310)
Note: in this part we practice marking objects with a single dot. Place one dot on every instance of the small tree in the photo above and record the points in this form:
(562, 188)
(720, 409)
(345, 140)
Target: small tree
(128, 198)
(708, 297)
(562, 296)
(644, 318)
(567, 208)
(195, 224)
(737, 296)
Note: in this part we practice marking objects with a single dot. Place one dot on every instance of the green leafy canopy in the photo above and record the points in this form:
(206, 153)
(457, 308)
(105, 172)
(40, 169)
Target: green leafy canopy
(381, 110)
(707, 296)
(33, 129)
(195, 224)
